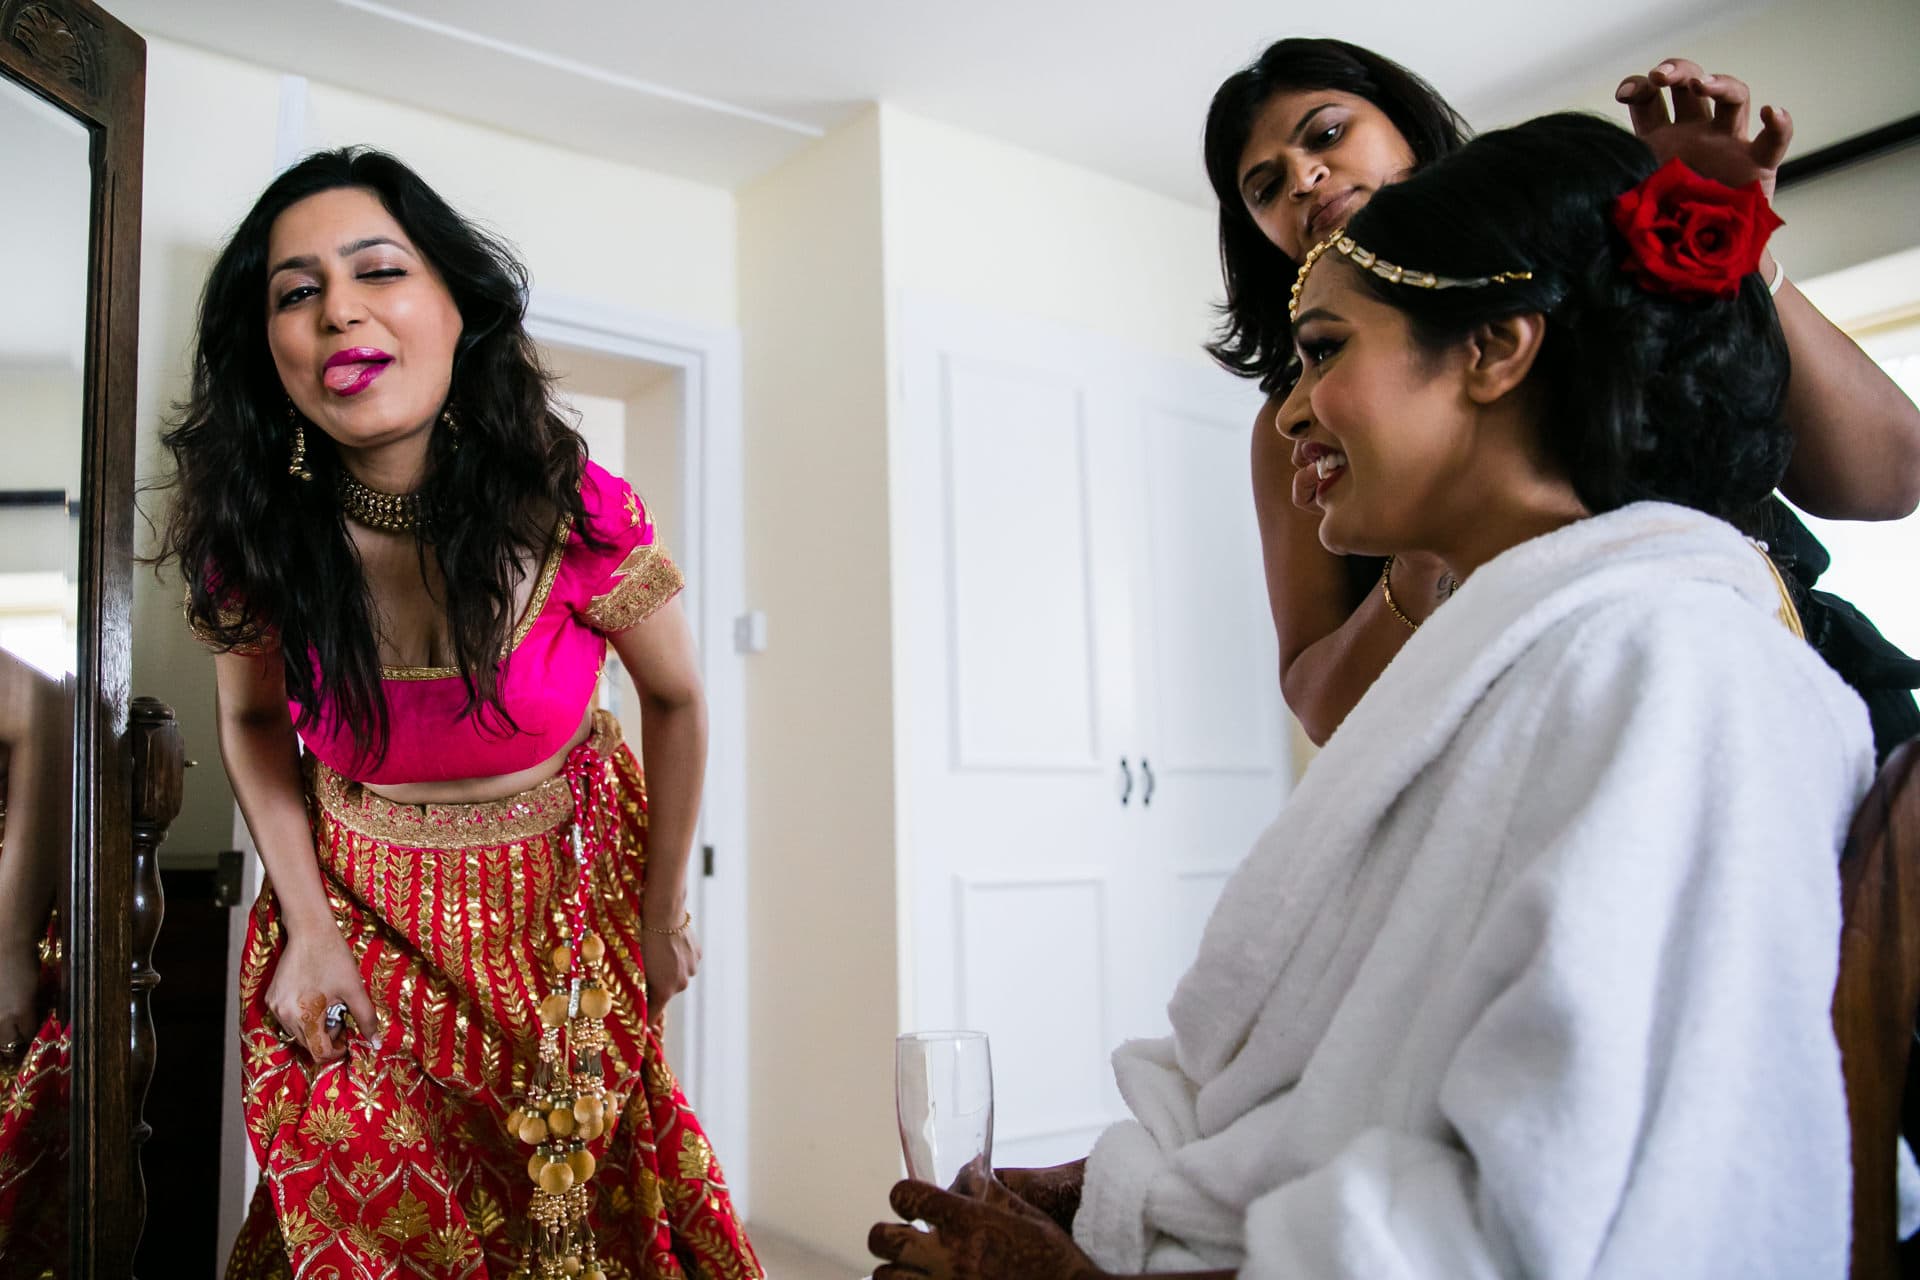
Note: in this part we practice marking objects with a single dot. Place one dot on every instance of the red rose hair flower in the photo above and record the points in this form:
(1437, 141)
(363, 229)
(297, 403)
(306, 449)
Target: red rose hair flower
(1691, 237)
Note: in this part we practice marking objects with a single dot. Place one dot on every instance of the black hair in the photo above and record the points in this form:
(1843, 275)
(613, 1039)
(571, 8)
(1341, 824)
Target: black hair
(1254, 339)
(267, 557)
(1646, 396)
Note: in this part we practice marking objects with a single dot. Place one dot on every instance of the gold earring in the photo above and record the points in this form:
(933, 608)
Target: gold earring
(452, 424)
(298, 467)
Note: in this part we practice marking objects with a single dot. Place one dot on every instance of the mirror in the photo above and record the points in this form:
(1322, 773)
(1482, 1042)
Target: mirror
(46, 207)
(89, 778)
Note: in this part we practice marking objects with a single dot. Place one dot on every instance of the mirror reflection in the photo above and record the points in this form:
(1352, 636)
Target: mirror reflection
(45, 207)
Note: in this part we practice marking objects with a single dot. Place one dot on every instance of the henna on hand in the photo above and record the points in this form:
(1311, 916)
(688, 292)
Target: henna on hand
(998, 1237)
(1054, 1191)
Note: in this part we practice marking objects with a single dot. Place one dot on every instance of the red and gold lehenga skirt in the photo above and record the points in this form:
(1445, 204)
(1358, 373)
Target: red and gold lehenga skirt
(35, 1127)
(398, 1161)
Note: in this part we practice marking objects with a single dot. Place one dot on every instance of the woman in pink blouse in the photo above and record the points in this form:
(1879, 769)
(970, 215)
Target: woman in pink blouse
(476, 910)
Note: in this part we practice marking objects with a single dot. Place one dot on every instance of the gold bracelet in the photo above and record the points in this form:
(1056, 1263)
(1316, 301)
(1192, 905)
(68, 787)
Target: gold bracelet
(674, 932)
(1386, 589)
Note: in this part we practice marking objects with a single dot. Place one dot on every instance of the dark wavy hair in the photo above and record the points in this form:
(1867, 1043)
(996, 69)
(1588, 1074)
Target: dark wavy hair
(1645, 396)
(1254, 339)
(267, 557)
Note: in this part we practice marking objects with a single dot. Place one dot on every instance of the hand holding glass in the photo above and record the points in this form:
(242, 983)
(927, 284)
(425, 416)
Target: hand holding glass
(943, 1092)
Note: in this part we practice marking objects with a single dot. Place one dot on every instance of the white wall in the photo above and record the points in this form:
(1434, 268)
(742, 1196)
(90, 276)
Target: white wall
(586, 228)
(1840, 67)
(984, 222)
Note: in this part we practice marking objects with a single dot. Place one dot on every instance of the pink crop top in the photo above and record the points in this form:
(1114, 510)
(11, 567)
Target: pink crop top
(552, 663)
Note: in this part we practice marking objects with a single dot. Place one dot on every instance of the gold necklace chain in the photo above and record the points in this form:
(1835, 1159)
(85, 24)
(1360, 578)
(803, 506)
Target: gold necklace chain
(1386, 589)
(387, 512)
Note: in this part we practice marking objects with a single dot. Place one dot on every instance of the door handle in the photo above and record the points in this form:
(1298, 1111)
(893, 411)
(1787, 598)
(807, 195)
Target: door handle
(1146, 770)
(1126, 782)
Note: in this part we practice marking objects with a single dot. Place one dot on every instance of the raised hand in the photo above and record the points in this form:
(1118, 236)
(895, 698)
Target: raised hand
(1709, 124)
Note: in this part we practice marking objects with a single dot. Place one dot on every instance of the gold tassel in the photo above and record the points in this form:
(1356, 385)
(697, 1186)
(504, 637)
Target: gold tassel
(564, 1112)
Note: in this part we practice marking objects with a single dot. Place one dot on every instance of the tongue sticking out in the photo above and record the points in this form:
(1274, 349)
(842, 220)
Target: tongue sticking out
(348, 377)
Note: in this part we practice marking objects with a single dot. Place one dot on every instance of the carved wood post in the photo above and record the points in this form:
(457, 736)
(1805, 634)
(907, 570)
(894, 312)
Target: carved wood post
(159, 762)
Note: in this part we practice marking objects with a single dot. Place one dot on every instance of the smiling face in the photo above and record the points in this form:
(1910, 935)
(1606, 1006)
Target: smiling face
(361, 327)
(1388, 427)
(1312, 159)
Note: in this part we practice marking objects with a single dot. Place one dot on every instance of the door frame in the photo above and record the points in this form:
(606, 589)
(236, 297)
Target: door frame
(713, 554)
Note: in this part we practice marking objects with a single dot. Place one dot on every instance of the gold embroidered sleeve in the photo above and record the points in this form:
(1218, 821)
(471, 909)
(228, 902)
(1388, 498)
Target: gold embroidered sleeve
(228, 617)
(645, 580)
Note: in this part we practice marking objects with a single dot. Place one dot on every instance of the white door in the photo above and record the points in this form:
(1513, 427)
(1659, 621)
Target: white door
(1046, 487)
(1213, 744)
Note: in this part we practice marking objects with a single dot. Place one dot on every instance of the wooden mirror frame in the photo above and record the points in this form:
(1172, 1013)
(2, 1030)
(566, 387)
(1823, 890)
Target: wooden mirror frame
(80, 59)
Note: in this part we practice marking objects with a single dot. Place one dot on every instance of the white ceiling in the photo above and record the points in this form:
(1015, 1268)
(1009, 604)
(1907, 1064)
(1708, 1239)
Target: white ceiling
(722, 90)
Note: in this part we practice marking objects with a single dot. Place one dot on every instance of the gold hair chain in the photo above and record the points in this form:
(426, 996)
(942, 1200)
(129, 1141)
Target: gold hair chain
(1344, 245)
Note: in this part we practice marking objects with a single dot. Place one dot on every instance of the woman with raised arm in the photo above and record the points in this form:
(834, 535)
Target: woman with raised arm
(1532, 975)
(475, 910)
(1296, 144)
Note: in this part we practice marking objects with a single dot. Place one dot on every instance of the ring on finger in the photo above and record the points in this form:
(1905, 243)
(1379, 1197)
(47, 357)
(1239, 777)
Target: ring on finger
(336, 1015)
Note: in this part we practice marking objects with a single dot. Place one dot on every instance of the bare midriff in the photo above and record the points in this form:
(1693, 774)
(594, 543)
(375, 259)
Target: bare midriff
(481, 790)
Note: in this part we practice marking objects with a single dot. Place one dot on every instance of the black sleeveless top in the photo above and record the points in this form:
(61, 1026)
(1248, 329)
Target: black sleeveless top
(1873, 665)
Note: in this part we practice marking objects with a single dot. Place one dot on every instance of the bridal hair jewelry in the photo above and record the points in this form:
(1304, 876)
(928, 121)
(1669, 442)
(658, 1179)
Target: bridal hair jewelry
(297, 468)
(387, 512)
(1343, 244)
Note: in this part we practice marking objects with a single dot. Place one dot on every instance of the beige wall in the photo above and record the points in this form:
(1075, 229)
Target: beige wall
(40, 415)
(585, 227)
(819, 700)
(1840, 67)
(209, 151)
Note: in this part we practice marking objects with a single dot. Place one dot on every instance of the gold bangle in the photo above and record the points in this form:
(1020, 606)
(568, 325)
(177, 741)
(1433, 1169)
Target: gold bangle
(1386, 589)
(674, 932)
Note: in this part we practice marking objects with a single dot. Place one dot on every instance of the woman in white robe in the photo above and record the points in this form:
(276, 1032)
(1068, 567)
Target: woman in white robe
(1532, 975)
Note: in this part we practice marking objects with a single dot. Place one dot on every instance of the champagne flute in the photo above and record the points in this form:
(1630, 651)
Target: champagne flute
(943, 1095)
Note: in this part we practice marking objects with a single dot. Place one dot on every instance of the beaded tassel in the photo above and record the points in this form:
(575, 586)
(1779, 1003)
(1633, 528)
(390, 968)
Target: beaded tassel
(565, 1109)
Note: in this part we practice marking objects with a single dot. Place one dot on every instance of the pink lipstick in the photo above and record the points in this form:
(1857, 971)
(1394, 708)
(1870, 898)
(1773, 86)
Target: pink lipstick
(352, 371)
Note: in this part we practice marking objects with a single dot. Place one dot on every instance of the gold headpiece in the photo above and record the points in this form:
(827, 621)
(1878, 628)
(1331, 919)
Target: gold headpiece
(1343, 244)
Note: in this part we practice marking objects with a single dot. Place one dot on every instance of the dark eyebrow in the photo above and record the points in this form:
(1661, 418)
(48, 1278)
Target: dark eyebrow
(1317, 313)
(347, 250)
(1299, 131)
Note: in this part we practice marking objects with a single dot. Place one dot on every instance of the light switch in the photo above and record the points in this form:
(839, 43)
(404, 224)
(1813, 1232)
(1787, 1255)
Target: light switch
(750, 632)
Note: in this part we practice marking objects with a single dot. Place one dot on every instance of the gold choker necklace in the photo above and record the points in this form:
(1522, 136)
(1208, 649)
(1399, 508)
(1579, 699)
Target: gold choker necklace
(387, 512)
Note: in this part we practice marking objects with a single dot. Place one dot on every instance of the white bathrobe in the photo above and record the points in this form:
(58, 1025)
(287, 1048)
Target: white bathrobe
(1532, 976)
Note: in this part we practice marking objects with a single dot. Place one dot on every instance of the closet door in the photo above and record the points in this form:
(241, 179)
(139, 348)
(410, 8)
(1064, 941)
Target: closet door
(1049, 899)
(1014, 708)
(1212, 740)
